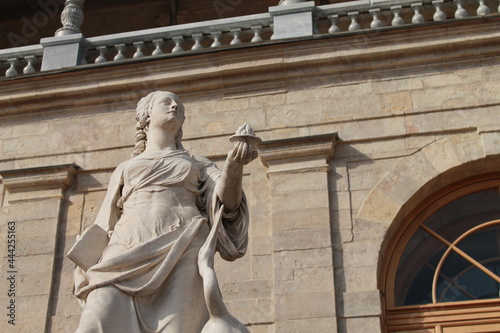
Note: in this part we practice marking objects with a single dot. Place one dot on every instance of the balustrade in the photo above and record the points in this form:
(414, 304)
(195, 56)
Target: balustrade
(365, 15)
(178, 39)
(21, 60)
(334, 19)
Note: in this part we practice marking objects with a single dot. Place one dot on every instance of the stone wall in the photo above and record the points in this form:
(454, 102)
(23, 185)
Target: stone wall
(357, 129)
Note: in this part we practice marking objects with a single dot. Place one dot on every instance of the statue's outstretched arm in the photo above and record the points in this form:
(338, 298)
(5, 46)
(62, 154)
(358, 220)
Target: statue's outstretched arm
(229, 189)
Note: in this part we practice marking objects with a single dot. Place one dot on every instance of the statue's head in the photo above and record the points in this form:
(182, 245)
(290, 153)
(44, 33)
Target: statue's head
(145, 108)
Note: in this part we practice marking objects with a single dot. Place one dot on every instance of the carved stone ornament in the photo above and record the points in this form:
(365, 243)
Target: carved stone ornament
(71, 17)
(289, 2)
(146, 264)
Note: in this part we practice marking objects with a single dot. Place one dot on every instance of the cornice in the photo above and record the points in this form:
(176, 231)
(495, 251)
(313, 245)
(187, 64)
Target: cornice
(39, 179)
(298, 154)
(260, 68)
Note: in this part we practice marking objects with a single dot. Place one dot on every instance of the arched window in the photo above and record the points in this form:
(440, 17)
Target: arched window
(443, 274)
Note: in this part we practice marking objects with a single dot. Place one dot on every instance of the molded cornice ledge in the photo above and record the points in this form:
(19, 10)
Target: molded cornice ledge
(27, 184)
(298, 154)
(268, 67)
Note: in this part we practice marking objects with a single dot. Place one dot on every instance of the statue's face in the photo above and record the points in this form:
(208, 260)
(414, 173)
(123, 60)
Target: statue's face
(167, 112)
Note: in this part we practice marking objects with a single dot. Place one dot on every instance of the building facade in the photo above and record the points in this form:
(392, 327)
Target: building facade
(375, 201)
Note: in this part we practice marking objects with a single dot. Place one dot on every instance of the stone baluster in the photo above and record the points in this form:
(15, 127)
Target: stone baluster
(257, 30)
(120, 49)
(376, 23)
(83, 59)
(236, 36)
(197, 37)
(178, 44)
(71, 18)
(334, 19)
(439, 15)
(11, 71)
(354, 26)
(102, 52)
(29, 68)
(397, 20)
(158, 43)
(460, 12)
(216, 36)
(417, 16)
(139, 46)
(483, 9)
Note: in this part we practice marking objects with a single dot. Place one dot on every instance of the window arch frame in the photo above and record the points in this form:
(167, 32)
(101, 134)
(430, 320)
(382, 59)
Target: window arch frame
(432, 315)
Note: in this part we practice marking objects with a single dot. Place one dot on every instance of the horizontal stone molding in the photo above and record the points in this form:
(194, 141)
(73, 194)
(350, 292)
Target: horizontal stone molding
(39, 179)
(347, 56)
(295, 151)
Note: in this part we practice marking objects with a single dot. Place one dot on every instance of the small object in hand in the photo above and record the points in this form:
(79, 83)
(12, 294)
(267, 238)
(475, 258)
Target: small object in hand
(245, 134)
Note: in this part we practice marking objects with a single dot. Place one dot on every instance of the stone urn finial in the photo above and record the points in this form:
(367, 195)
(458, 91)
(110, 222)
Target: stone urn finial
(71, 17)
(289, 2)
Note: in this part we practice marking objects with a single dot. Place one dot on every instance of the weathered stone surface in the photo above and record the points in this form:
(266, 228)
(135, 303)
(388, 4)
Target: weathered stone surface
(304, 305)
(361, 304)
(319, 325)
(321, 257)
(360, 278)
(364, 324)
(307, 280)
(262, 267)
(378, 207)
(250, 311)
(301, 239)
(361, 253)
(246, 289)
(491, 143)
(307, 218)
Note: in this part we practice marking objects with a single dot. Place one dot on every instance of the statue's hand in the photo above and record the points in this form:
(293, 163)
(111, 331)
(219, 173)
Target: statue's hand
(242, 153)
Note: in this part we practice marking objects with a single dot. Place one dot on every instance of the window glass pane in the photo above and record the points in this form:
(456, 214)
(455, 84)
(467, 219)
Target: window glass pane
(461, 281)
(457, 217)
(414, 286)
(483, 244)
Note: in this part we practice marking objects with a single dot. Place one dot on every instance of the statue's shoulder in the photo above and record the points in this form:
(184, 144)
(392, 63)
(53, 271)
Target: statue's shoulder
(201, 159)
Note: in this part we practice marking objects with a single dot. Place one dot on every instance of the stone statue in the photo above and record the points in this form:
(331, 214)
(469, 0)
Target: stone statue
(146, 264)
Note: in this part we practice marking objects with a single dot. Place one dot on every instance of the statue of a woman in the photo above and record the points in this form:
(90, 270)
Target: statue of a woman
(140, 265)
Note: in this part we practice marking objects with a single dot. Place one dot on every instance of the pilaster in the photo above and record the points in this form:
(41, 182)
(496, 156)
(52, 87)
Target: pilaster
(29, 224)
(302, 246)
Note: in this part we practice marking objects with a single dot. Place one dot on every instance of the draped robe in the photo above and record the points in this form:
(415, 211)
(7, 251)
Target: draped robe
(147, 279)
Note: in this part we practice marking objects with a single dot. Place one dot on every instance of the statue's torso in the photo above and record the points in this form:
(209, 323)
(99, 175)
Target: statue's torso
(159, 195)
